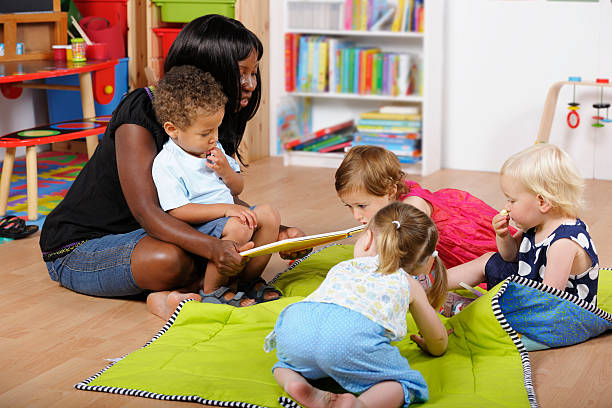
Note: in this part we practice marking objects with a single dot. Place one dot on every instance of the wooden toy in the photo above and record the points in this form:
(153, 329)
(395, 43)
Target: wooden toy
(551, 103)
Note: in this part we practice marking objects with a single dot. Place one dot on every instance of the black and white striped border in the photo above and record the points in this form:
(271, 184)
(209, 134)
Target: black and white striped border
(83, 385)
(527, 377)
(527, 374)
(288, 402)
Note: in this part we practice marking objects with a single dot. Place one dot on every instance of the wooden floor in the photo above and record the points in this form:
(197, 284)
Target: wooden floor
(52, 338)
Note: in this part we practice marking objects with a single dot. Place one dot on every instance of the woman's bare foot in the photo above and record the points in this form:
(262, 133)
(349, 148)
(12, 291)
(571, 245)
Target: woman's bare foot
(163, 304)
(312, 397)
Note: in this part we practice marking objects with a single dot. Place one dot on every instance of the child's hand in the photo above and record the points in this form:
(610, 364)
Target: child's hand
(217, 162)
(501, 223)
(246, 215)
(420, 341)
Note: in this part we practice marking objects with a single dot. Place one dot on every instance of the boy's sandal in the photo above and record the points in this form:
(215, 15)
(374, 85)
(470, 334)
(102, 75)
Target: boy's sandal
(15, 227)
(259, 295)
(217, 297)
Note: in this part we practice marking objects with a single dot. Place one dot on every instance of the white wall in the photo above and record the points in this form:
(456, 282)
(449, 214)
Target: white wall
(27, 111)
(501, 58)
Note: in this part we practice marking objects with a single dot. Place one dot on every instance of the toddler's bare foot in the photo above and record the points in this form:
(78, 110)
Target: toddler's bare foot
(312, 397)
(163, 304)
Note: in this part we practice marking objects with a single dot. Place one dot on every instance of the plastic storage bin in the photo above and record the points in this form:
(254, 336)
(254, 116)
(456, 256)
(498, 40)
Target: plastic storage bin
(66, 105)
(166, 36)
(183, 11)
(115, 11)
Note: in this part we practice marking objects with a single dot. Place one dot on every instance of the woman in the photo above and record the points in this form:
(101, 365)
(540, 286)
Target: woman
(109, 236)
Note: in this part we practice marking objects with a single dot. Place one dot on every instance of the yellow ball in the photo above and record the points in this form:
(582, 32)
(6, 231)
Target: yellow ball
(108, 89)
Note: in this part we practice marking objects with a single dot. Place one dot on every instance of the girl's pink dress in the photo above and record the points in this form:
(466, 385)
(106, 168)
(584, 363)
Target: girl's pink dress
(463, 222)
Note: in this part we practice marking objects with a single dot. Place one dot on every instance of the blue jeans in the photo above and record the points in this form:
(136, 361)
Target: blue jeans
(102, 266)
(99, 267)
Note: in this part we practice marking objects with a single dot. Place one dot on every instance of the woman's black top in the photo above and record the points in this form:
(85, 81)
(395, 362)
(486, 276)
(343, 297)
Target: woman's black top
(95, 205)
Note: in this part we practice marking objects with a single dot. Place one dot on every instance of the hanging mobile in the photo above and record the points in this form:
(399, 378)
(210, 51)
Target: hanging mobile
(573, 119)
(600, 105)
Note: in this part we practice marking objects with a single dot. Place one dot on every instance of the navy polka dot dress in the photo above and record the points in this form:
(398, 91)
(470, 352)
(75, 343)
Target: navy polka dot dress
(532, 259)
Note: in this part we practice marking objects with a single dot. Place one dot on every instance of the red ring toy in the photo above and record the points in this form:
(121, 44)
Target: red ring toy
(569, 119)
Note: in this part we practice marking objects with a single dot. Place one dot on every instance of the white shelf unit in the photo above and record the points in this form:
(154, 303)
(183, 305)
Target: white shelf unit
(329, 108)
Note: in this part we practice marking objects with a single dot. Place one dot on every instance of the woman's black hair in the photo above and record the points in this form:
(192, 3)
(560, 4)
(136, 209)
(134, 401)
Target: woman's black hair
(215, 44)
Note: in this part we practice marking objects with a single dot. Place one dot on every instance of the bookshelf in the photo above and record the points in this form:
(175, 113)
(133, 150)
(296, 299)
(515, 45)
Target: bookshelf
(329, 108)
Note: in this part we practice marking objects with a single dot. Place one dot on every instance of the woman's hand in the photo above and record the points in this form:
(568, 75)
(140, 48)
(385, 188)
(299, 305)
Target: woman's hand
(292, 232)
(227, 259)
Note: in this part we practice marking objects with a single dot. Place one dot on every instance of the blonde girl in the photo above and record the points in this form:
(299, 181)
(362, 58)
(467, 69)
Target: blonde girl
(344, 328)
(543, 192)
(371, 177)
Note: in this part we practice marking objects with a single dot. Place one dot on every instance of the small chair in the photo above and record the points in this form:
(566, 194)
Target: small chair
(30, 138)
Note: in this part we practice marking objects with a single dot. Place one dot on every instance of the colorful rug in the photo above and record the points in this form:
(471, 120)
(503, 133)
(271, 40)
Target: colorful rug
(56, 172)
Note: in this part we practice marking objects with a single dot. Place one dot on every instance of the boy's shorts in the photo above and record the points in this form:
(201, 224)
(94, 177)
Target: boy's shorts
(214, 228)
(496, 270)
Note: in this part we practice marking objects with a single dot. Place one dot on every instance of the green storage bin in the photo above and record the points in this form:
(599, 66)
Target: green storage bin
(183, 11)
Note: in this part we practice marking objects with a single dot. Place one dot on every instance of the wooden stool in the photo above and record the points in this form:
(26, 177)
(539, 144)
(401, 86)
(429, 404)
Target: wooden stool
(30, 138)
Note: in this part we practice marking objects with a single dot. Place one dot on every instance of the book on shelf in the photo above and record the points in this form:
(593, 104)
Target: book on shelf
(389, 129)
(384, 20)
(388, 122)
(322, 69)
(379, 115)
(409, 159)
(388, 135)
(298, 244)
(347, 126)
(382, 139)
(294, 119)
(396, 25)
(356, 15)
(302, 63)
(408, 148)
(406, 19)
(348, 15)
(336, 147)
(399, 109)
(404, 155)
(333, 140)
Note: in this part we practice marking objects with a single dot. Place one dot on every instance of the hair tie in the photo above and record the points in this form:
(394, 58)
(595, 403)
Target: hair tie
(434, 254)
(397, 224)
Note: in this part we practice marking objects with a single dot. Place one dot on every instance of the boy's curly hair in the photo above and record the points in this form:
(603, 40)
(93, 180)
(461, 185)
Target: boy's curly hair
(184, 92)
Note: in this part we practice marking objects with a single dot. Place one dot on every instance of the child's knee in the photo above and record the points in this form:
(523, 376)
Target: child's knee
(267, 215)
(235, 230)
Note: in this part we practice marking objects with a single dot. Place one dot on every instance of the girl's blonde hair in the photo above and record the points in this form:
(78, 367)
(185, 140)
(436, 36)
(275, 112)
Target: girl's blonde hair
(546, 170)
(409, 245)
(371, 169)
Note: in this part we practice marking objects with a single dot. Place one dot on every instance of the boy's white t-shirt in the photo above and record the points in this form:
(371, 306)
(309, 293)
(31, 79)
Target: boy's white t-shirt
(357, 285)
(181, 179)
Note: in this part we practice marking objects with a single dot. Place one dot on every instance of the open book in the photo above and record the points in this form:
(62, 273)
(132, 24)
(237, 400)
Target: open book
(297, 244)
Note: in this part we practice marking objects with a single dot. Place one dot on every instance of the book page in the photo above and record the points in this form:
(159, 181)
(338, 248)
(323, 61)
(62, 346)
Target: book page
(297, 244)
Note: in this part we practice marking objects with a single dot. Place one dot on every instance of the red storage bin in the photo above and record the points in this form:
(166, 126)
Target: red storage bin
(115, 11)
(167, 36)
